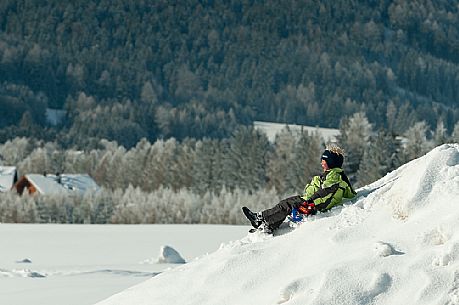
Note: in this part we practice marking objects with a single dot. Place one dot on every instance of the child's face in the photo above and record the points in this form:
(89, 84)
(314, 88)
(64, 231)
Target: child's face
(324, 165)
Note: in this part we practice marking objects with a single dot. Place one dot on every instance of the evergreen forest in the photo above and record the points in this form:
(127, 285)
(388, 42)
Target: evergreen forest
(157, 99)
(124, 70)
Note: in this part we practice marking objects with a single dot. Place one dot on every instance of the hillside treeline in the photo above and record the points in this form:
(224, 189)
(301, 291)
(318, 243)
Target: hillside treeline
(127, 70)
(202, 181)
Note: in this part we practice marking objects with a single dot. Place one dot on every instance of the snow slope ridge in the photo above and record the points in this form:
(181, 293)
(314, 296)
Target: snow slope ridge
(396, 244)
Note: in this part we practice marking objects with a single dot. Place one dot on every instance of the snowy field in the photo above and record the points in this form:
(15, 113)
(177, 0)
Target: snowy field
(397, 243)
(83, 264)
(272, 129)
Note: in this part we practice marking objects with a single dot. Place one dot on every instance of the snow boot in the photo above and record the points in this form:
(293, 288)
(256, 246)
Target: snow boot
(255, 218)
(267, 229)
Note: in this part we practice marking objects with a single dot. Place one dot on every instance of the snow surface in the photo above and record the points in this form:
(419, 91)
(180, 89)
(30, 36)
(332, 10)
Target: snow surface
(272, 129)
(84, 264)
(397, 243)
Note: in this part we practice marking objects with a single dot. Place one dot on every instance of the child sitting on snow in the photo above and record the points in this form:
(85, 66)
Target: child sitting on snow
(323, 193)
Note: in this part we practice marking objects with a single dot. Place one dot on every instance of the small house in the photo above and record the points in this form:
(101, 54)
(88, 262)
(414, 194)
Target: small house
(38, 184)
(8, 177)
(56, 184)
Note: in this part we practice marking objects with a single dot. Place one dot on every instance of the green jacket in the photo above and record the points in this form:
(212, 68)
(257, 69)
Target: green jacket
(328, 189)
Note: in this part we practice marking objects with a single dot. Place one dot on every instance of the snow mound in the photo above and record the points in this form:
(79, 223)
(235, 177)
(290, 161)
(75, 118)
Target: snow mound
(385, 249)
(397, 243)
(168, 255)
(424, 181)
(22, 273)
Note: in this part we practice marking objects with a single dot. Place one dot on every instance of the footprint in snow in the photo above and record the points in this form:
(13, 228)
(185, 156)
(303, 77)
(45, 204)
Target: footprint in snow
(295, 287)
(380, 284)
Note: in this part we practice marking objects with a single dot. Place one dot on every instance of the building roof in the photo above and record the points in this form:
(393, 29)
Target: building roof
(75, 182)
(7, 174)
(57, 184)
(45, 185)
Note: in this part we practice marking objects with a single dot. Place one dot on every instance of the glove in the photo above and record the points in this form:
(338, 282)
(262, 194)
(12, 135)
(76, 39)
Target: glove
(308, 208)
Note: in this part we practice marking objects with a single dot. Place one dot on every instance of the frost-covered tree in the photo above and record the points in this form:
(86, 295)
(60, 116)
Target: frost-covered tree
(440, 136)
(206, 168)
(161, 164)
(101, 205)
(355, 133)
(16, 209)
(179, 170)
(306, 160)
(281, 161)
(391, 115)
(80, 161)
(37, 162)
(134, 162)
(170, 159)
(381, 156)
(153, 173)
(116, 171)
(417, 143)
(131, 207)
(455, 134)
(14, 151)
(148, 94)
(247, 157)
(220, 158)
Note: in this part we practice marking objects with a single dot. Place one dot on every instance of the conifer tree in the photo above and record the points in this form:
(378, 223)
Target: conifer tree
(281, 161)
(204, 166)
(440, 136)
(455, 134)
(417, 143)
(306, 160)
(247, 157)
(380, 157)
(355, 133)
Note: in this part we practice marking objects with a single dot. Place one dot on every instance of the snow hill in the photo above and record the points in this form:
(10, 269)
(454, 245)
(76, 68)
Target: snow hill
(398, 243)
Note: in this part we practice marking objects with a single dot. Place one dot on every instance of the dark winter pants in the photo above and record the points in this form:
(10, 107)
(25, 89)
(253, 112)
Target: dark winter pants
(276, 215)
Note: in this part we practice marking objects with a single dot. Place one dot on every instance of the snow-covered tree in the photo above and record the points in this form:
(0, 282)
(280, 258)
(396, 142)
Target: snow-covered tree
(37, 162)
(247, 157)
(455, 134)
(306, 160)
(206, 168)
(440, 136)
(134, 162)
(281, 161)
(14, 151)
(355, 133)
(148, 94)
(380, 157)
(417, 143)
(391, 115)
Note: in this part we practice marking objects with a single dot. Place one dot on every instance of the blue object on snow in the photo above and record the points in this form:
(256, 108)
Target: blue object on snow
(295, 216)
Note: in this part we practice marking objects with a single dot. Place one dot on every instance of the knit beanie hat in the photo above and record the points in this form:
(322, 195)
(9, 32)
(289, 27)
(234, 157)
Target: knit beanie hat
(333, 159)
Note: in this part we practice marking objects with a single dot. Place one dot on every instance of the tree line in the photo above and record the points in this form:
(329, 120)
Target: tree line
(246, 160)
(133, 206)
(203, 181)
